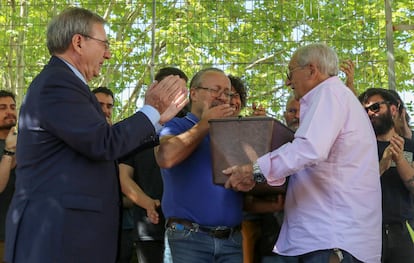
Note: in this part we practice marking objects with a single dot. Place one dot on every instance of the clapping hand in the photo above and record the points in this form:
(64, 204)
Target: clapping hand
(348, 67)
(168, 96)
(217, 111)
(396, 148)
(393, 152)
(11, 140)
(258, 110)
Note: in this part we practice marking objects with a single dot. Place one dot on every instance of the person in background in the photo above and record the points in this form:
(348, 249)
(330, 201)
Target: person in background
(8, 138)
(203, 219)
(249, 229)
(397, 175)
(333, 199)
(106, 99)
(291, 116)
(144, 170)
(401, 118)
(132, 193)
(292, 113)
(239, 98)
(254, 216)
(67, 151)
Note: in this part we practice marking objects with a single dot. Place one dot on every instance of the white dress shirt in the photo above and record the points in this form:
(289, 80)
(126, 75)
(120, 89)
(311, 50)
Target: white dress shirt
(333, 198)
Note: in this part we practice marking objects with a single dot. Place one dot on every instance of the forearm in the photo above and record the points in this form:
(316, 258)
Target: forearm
(384, 164)
(408, 133)
(350, 84)
(174, 149)
(406, 172)
(126, 202)
(131, 190)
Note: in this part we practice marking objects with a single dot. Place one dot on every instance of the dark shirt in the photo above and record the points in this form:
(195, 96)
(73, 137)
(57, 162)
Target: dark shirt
(148, 176)
(397, 201)
(5, 196)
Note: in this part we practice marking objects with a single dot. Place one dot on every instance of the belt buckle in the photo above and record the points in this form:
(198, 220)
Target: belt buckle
(221, 233)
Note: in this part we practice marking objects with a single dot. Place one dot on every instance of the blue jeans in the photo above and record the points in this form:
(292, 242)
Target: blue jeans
(198, 247)
(167, 250)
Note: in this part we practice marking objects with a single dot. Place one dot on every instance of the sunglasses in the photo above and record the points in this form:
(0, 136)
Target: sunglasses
(375, 107)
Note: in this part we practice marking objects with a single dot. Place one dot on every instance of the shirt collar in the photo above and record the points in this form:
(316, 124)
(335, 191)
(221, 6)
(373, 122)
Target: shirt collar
(75, 70)
(308, 96)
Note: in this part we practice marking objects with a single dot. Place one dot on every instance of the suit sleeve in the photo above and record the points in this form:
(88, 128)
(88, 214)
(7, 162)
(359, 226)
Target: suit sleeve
(69, 112)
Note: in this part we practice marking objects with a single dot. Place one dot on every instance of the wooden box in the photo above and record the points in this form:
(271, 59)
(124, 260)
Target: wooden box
(241, 140)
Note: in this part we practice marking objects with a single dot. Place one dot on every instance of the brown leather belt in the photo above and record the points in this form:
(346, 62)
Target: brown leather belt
(221, 232)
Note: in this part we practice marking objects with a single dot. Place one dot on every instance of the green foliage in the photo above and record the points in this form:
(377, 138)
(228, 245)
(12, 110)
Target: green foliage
(252, 39)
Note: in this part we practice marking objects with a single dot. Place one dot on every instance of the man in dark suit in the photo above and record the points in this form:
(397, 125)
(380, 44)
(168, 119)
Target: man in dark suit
(66, 205)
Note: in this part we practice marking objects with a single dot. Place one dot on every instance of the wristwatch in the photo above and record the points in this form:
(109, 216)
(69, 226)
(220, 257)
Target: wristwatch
(258, 176)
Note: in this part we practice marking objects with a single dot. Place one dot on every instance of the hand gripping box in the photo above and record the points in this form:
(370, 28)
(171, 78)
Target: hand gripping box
(241, 140)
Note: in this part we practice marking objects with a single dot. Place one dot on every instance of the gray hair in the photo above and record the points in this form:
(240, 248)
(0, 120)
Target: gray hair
(198, 77)
(71, 21)
(323, 56)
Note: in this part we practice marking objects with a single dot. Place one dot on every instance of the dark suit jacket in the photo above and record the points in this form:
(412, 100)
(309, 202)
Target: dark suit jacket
(66, 203)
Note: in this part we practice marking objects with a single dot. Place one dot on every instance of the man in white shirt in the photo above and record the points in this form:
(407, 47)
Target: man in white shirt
(333, 200)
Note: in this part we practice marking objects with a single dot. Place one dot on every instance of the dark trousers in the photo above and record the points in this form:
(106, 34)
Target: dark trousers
(126, 249)
(1, 250)
(150, 251)
(397, 245)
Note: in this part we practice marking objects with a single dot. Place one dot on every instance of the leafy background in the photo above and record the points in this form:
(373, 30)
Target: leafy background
(251, 39)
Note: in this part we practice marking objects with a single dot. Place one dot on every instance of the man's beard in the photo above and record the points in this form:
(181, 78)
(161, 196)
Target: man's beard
(382, 123)
(293, 124)
(8, 125)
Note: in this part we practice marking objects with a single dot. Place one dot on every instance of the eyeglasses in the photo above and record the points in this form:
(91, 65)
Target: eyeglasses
(105, 42)
(375, 107)
(217, 93)
(289, 73)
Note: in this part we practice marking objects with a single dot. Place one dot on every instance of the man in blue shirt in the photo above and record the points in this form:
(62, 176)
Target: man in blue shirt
(203, 219)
